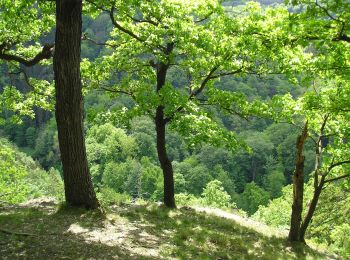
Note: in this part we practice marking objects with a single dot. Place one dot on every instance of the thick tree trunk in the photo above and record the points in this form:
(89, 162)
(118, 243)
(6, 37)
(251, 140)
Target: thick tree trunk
(298, 188)
(165, 163)
(69, 105)
(311, 211)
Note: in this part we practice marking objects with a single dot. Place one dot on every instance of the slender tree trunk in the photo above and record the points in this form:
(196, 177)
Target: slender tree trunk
(311, 210)
(160, 122)
(165, 163)
(298, 188)
(69, 105)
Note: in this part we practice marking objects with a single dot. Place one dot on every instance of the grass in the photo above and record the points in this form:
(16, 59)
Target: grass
(135, 232)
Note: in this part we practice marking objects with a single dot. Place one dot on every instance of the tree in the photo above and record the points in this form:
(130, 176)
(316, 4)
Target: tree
(14, 48)
(155, 39)
(20, 49)
(252, 197)
(214, 195)
(107, 144)
(322, 20)
(323, 27)
(69, 105)
(298, 187)
(326, 115)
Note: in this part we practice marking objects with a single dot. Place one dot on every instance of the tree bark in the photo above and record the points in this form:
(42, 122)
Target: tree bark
(298, 188)
(165, 163)
(311, 210)
(69, 105)
(160, 122)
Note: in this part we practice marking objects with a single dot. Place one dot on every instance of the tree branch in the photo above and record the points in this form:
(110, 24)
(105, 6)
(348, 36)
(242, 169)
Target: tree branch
(143, 20)
(116, 91)
(333, 165)
(204, 18)
(204, 82)
(86, 38)
(337, 178)
(121, 28)
(46, 53)
(326, 11)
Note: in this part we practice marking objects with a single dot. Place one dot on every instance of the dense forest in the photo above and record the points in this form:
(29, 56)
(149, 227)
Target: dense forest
(237, 106)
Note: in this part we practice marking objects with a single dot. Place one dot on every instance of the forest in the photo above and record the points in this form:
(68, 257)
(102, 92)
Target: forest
(174, 129)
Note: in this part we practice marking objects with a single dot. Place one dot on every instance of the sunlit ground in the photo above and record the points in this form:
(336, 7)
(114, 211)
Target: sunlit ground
(40, 231)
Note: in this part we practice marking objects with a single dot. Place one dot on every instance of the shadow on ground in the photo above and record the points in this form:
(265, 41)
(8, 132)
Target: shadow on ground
(134, 232)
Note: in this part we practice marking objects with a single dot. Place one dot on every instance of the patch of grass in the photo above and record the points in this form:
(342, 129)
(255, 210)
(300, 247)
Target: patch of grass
(136, 232)
(199, 236)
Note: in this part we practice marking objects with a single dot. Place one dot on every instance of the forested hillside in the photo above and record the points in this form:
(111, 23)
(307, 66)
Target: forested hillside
(234, 105)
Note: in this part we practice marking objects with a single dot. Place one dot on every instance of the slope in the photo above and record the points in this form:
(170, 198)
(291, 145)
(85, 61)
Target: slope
(41, 230)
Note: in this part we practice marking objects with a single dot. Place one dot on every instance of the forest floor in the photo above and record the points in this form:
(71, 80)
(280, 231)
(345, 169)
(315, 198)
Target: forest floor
(40, 229)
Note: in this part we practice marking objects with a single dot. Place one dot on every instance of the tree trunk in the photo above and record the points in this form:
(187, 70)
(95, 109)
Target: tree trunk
(311, 210)
(160, 122)
(69, 105)
(298, 188)
(165, 163)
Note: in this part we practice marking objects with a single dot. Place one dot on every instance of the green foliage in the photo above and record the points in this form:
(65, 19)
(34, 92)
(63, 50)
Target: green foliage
(140, 179)
(37, 14)
(12, 176)
(252, 197)
(195, 53)
(46, 149)
(274, 182)
(333, 203)
(21, 178)
(184, 199)
(45, 184)
(197, 178)
(341, 240)
(108, 197)
(123, 177)
(106, 144)
(277, 213)
(24, 44)
(208, 80)
(214, 195)
(180, 183)
(224, 177)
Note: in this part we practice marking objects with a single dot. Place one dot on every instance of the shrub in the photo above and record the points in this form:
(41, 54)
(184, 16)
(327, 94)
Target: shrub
(214, 195)
(21, 178)
(13, 188)
(341, 240)
(184, 199)
(252, 197)
(108, 196)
